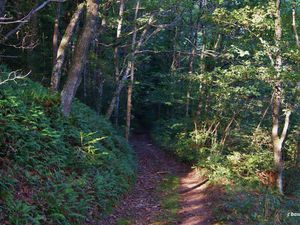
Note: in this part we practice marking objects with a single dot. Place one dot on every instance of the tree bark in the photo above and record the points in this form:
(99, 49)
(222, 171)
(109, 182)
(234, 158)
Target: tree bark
(132, 68)
(64, 44)
(194, 41)
(80, 57)
(295, 25)
(202, 69)
(116, 57)
(175, 59)
(277, 99)
(122, 81)
(56, 32)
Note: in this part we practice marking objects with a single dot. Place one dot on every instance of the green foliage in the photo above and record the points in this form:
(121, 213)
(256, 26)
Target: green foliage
(262, 207)
(236, 166)
(57, 170)
(168, 190)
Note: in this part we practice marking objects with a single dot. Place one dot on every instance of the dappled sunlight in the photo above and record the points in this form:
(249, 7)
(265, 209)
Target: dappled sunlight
(194, 201)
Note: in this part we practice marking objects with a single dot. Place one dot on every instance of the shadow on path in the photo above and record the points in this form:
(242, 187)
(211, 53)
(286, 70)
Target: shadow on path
(142, 205)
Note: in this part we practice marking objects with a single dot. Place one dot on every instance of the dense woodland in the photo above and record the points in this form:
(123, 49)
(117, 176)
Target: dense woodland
(215, 83)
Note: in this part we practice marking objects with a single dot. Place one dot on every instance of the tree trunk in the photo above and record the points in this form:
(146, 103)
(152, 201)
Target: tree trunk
(194, 39)
(122, 81)
(132, 64)
(294, 25)
(129, 103)
(84, 76)
(175, 62)
(56, 32)
(64, 44)
(277, 99)
(80, 56)
(116, 57)
(202, 69)
(99, 87)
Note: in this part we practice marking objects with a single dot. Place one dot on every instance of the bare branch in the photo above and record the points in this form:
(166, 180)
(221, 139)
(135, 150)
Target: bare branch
(286, 125)
(26, 18)
(14, 75)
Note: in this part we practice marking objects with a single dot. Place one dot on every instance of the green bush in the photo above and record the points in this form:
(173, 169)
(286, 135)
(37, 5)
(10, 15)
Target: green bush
(57, 170)
(235, 165)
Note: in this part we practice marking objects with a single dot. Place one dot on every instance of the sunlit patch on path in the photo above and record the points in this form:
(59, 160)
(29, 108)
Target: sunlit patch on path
(143, 205)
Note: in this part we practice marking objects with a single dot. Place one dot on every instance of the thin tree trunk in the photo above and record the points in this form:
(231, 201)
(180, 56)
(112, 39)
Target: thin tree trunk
(61, 52)
(277, 145)
(295, 25)
(202, 69)
(276, 139)
(130, 86)
(100, 85)
(174, 64)
(116, 57)
(227, 129)
(80, 56)
(129, 102)
(294, 7)
(117, 92)
(217, 42)
(56, 32)
(297, 152)
(122, 81)
(194, 37)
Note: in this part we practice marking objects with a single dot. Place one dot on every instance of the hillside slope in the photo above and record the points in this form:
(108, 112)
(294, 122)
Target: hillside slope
(55, 170)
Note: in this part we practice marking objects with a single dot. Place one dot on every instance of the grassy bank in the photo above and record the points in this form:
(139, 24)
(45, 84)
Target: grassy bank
(57, 170)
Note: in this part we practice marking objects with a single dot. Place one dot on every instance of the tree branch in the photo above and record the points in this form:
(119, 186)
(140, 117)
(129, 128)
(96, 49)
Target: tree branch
(26, 18)
(13, 76)
(286, 125)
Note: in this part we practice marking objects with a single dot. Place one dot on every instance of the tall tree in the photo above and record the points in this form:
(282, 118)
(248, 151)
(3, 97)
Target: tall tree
(132, 68)
(62, 49)
(277, 100)
(55, 37)
(80, 56)
(116, 56)
(294, 24)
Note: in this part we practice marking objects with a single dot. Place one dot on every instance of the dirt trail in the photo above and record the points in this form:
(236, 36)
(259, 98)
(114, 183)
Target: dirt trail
(141, 206)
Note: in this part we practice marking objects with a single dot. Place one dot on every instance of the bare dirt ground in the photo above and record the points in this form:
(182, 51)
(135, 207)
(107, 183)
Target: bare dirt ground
(142, 205)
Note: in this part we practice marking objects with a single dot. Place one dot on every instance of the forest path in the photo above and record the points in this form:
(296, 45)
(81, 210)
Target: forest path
(142, 205)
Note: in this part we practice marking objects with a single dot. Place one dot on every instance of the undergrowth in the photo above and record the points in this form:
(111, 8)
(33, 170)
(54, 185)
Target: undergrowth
(57, 170)
(243, 166)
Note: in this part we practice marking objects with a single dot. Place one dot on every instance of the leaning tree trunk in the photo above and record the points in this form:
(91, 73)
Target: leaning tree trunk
(80, 57)
(62, 49)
